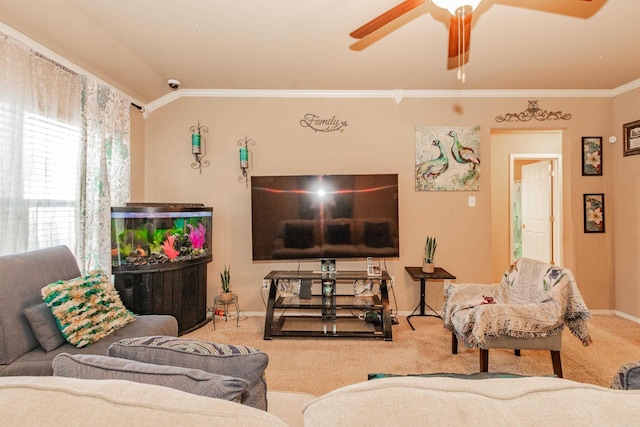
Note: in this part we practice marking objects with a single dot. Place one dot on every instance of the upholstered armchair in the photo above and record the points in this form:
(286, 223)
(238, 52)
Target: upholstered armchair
(528, 310)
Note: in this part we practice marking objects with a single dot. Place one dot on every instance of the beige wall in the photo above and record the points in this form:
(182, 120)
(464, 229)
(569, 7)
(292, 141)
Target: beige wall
(379, 138)
(137, 155)
(624, 195)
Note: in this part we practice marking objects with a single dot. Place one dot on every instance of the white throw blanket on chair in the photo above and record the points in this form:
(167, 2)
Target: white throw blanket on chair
(534, 299)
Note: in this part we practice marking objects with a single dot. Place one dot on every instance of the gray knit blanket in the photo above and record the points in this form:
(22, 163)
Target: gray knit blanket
(534, 299)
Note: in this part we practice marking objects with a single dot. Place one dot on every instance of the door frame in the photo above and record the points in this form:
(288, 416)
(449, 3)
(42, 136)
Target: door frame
(556, 201)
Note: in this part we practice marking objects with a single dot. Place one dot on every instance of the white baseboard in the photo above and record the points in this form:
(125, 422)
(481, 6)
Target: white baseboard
(625, 316)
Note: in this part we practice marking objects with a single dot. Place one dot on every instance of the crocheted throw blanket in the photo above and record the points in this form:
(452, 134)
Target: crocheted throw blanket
(534, 299)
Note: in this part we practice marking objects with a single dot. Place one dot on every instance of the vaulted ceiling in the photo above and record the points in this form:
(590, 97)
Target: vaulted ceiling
(136, 45)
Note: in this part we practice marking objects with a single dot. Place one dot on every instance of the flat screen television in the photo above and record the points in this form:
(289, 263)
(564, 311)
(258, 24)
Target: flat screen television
(324, 216)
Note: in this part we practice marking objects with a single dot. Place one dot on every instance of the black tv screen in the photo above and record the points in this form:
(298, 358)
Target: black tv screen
(324, 216)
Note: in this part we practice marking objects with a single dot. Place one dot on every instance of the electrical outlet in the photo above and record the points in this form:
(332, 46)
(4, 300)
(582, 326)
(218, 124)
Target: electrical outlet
(392, 282)
(265, 284)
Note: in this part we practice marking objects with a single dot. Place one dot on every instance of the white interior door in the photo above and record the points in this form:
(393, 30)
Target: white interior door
(537, 211)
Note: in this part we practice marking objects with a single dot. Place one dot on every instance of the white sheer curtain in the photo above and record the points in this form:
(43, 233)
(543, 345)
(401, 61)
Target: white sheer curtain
(105, 180)
(64, 157)
(39, 150)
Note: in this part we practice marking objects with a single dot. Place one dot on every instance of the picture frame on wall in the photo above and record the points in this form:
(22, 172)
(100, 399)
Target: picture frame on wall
(631, 132)
(594, 213)
(591, 155)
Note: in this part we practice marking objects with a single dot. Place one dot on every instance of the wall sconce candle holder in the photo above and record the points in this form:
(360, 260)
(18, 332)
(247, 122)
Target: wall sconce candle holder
(246, 159)
(199, 146)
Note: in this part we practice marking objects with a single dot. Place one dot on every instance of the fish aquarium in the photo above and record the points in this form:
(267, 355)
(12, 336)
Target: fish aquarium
(156, 236)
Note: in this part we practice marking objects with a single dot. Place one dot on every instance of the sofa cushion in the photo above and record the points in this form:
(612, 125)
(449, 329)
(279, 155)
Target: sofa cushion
(38, 362)
(73, 402)
(234, 360)
(194, 381)
(44, 326)
(86, 308)
(444, 401)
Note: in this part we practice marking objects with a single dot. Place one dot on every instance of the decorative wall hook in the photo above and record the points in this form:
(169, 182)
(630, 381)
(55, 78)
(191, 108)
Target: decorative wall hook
(246, 159)
(199, 146)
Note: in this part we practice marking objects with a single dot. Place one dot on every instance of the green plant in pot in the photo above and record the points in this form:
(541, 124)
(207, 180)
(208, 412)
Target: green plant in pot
(225, 278)
(429, 253)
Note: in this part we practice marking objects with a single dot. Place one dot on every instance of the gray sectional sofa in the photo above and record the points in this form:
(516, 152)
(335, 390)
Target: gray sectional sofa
(22, 276)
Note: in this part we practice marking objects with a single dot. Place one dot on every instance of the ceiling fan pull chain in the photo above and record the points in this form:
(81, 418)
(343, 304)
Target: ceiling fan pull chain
(461, 43)
(463, 78)
(458, 40)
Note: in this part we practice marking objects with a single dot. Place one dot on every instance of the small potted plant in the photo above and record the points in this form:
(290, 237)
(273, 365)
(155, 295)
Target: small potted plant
(225, 278)
(429, 252)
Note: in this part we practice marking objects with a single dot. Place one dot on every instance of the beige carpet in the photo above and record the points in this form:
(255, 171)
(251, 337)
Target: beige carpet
(318, 366)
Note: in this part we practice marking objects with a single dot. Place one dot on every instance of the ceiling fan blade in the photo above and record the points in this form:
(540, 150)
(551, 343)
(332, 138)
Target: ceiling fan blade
(574, 8)
(459, 34)
(385, 18)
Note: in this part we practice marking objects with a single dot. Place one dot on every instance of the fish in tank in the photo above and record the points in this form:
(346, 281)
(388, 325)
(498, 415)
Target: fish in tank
(145, 235)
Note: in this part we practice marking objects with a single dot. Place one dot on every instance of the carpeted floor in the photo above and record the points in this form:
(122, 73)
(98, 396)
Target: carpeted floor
(319, 365)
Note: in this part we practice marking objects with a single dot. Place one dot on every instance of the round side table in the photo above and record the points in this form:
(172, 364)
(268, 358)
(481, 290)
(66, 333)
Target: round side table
(218, 302)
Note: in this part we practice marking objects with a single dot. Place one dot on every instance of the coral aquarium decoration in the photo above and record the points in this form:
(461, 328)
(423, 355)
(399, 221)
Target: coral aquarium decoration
(197, 236)
(168, 248)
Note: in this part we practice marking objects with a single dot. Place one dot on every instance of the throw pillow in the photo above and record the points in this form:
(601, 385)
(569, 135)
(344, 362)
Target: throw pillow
(87, 308)
(627, 377)
(233, 360)
(377, 235)
(194, 381)
(44, 326)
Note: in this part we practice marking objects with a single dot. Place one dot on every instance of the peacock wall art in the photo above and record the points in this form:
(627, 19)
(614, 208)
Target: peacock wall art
(447, 158)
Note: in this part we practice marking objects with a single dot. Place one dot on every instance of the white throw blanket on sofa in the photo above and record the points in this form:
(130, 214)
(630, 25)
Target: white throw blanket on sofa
(534, 299)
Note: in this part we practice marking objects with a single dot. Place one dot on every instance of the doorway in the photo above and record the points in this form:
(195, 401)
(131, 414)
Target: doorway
(509, 146)
(536, 207)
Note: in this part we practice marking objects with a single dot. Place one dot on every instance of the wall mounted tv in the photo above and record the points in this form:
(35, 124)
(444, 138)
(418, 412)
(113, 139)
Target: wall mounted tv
(324, 216)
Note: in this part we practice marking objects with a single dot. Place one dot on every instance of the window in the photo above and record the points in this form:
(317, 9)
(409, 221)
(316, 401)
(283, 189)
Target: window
(60, 171)
(51, 178)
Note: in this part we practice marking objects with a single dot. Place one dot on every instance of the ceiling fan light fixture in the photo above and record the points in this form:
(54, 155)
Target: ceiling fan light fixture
(453, 5)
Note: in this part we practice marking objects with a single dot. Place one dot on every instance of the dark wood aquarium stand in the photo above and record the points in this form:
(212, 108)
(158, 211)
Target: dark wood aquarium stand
(178, 289)
(338, 315)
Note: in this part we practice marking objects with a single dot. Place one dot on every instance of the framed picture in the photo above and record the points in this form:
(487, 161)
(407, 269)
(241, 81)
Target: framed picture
(594, 213)
(631, 133)
(591, 155)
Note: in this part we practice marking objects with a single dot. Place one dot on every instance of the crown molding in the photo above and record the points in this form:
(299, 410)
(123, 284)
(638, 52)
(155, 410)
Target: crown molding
(626, 88)
(397, 95)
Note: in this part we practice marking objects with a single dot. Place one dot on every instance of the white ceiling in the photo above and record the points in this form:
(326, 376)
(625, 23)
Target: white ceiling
(136, 45)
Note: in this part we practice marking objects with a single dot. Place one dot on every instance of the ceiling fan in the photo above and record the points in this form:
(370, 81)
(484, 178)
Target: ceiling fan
(461, 13)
